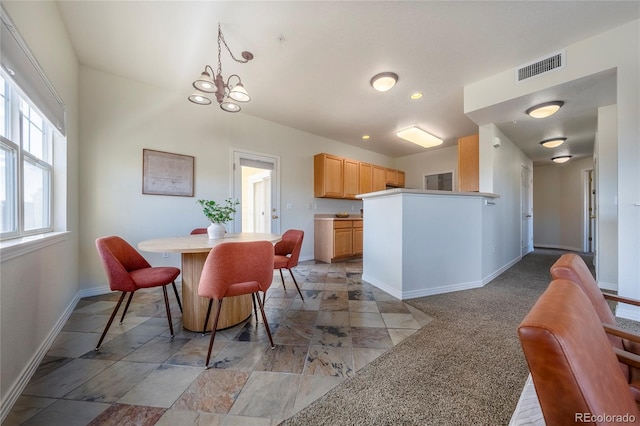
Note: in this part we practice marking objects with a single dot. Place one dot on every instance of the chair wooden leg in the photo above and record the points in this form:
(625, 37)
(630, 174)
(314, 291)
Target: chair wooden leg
(175, 290)
(126, 307)
(296, 283)
(206, 319)
(213, 332)
(166, 305)
(282, 278)
(113, 315)
(266, 324)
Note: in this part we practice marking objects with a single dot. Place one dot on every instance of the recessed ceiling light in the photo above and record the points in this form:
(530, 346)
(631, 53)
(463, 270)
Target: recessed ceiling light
(384, 81)
(561, 159)
(544, 110)
(416, 95)
(553, 143)
(419, 137)
(366, 137)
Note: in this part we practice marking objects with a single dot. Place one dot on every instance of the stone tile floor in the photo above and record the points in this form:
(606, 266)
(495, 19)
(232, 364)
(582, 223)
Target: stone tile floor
(142, 376)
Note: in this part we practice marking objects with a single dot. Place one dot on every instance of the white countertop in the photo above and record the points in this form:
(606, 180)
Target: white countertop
(394, 191)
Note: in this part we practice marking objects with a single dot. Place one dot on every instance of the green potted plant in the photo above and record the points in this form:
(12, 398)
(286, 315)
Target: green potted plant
(218, 214)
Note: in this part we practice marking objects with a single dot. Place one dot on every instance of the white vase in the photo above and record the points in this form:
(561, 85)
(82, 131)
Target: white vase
(216, 231)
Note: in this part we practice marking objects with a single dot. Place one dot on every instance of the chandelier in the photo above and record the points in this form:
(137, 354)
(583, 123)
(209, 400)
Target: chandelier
(227, 94)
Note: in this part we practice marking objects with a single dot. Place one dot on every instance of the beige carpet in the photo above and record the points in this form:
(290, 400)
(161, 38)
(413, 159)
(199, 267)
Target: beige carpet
(465, 367)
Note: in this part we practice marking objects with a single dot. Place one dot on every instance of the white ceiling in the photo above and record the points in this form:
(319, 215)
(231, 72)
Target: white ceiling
(314, 59)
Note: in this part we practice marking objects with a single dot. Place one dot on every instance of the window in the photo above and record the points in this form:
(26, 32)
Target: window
(26, 164)
(439, 181)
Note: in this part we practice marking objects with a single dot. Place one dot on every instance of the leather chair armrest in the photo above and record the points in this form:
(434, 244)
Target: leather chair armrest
(621, 299)
(621, 332)
(628, 358)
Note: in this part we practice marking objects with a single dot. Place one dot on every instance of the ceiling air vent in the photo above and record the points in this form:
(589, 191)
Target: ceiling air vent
(540, 66)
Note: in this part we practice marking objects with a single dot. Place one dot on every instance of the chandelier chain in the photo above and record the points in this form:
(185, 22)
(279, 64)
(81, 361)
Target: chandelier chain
(221, 39)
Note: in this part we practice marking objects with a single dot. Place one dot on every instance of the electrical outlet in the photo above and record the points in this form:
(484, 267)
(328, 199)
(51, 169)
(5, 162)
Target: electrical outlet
(165, 254)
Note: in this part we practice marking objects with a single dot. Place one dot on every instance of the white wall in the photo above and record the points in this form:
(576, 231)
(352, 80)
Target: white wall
(617, 49)
(38, 287)
(559, 201)
(430, 162)
(120, 117)
(606, 151)
(500, 174)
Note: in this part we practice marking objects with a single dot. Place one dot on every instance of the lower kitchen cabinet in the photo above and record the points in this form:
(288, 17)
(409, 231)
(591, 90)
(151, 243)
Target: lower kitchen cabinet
(337, 238)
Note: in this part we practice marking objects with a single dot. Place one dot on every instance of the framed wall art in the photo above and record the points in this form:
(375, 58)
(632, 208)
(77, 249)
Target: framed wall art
(165, 173)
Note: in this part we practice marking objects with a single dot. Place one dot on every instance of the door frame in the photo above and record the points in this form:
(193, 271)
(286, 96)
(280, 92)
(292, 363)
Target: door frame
(528, 215)
(236, 184)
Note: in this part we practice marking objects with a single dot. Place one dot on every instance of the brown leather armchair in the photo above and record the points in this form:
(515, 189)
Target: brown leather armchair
(572, 267)
(574, 368)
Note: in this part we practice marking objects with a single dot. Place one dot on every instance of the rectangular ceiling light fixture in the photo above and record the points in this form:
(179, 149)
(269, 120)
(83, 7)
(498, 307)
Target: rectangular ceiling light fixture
(419, 137)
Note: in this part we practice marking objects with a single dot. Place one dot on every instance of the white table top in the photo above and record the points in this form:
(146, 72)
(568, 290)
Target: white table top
(200, 243)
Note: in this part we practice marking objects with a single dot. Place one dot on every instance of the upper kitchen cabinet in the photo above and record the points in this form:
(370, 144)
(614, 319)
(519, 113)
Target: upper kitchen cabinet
(468, 164)
(328, 176)
(351, 178)
(395, 178)
(379, 180)
(337, 177)
(366, 178)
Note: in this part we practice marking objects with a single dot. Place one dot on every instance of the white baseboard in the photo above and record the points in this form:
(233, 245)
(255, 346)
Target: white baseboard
(382, 286)
(628, 312)
(608, 286)
(440, 290)
(96, 291)
(495, 274)
(21, 382)
(558, 247)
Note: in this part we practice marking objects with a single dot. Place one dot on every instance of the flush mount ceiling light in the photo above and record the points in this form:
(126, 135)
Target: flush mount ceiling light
(384, 81)
(561, 159)
(366, 137)
(227, 94)
(416, 95)
(553, 143)
(544, 110)
(419, 137)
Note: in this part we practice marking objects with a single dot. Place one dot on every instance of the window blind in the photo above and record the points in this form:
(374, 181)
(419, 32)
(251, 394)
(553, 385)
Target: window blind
(23, 68)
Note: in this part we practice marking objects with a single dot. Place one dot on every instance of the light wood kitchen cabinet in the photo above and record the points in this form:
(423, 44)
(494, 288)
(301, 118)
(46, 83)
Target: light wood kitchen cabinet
(379, 179)
(328, 176)
(337, 177)
(342, 238)
(395, 178)
(351, 178)
(358, 237)
(469, 164)
(337, 239)
(366, 178)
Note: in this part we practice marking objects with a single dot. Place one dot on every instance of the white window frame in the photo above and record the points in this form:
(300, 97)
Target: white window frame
(14, 142)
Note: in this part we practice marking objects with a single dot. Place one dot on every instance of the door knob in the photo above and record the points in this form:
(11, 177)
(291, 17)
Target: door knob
(275, 216)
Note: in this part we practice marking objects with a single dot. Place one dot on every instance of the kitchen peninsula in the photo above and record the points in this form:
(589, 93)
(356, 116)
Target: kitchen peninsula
(422, 242)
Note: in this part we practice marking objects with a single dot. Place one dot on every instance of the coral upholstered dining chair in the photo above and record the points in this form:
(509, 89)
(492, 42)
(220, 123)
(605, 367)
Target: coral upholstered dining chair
(199, 231)
(287, 252)
(128, 272)
(234, 269)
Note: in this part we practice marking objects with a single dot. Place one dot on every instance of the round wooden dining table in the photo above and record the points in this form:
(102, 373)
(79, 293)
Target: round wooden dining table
(194, 250)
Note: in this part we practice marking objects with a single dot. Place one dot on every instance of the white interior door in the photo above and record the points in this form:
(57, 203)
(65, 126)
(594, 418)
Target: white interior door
(256, 178)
